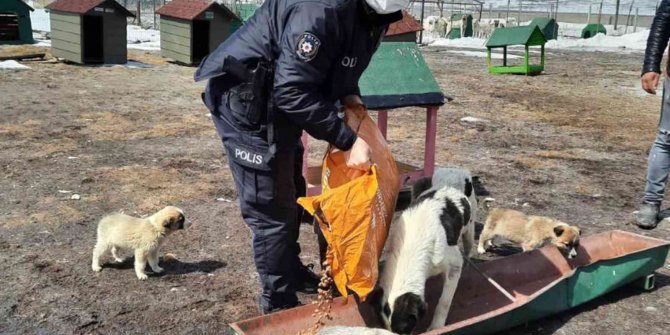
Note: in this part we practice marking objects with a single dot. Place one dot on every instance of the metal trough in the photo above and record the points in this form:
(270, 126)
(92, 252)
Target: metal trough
(542, 282)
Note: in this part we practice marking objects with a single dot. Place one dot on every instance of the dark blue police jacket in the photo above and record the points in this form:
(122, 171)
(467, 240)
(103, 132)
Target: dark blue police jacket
(319, 48)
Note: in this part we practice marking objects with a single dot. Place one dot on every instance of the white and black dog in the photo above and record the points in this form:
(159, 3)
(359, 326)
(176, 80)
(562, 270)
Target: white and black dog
(422, 243)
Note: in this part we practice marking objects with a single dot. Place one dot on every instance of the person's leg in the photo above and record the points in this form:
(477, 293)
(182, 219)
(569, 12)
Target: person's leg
(657, 177)
(657, 169)
(266, 194)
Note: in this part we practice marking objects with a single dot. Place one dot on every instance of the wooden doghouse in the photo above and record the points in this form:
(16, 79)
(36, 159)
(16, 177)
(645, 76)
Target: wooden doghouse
(547, 25)
(191, 29)
(15, 27)
(89, 31)
(526, 36)
(404, 30)
(397, 77)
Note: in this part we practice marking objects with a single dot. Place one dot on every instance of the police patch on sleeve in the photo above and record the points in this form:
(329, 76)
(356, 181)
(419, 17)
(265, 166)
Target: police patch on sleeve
(308, 46)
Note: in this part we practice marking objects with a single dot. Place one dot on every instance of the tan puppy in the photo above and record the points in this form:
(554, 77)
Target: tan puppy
(144, 236)
(530, 232)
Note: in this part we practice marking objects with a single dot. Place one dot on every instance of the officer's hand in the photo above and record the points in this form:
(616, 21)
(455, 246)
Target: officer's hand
(359, 155)
(650, 82)
(351, 100)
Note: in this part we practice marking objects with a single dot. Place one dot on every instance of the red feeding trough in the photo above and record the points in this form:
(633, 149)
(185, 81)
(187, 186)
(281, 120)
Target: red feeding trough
(541, 283)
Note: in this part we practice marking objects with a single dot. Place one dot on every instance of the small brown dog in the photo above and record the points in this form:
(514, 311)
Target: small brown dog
(530, 232)
(119, 231)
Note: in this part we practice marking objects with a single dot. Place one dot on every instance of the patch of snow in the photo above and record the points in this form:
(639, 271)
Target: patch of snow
(12, 65)
(131, 65)
(143, 39)
(481, 54)
(39, 19)
(466, 42)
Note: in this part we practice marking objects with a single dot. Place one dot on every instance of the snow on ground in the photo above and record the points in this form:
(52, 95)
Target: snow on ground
(143, 39)
(609, 43)
(482, 54)
(40, 20)
(12, 65)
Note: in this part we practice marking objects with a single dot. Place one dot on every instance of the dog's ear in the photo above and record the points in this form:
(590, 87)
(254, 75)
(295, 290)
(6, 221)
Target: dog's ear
(468, 187)
(421, 186)
(558, 230)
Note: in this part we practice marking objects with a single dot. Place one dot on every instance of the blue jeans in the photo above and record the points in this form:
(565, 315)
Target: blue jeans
(659, 155)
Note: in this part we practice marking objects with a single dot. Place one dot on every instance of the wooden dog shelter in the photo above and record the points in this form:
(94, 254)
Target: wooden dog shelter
(191, 29)
(89, 31)
(404, 30)
(15, 27)
(548, 26)
(526, 36)
(397, 77)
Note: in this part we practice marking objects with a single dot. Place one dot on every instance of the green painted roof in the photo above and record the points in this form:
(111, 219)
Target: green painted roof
(542, 22)
(523, 35)
(455, 17)
(245, 10)
(398, 77)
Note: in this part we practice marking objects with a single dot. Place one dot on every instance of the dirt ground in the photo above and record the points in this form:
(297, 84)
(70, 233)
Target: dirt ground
(571, 143)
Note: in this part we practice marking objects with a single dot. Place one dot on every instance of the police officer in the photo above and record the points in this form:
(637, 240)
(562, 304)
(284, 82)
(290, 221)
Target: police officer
(284, 71)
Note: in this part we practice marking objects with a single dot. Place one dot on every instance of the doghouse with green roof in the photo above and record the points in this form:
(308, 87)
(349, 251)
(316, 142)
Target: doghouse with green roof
(397, 77)
(528, 36)
(548, 26)
(593, 29)
(15, 25)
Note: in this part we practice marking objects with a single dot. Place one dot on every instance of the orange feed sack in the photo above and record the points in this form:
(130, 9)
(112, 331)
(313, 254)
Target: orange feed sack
(356, 208)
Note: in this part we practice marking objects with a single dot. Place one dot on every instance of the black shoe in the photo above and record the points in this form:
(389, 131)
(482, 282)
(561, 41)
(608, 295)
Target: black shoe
(265, 308)
(306, 281)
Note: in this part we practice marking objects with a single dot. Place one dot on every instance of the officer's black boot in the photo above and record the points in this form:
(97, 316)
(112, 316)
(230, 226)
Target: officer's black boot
(306, 280)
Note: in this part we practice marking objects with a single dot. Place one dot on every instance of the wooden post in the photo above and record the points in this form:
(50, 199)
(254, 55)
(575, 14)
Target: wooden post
(155, 27)
(518, 17)
(505, 56)
(490, 10)
(431, 132)
(630, 9)
(421, 31)
(600, 12)
(635, 21)
(488, 58)
(527, 61)
(588, 17)
(139, 16)
(507, 15)
(616, 14)
(542, 57)
(556, 19)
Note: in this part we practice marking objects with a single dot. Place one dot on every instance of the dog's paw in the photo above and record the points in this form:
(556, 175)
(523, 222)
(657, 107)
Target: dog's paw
(158, 269)
(96, 268)
(119, 260)
(142, 276)
(481, 250)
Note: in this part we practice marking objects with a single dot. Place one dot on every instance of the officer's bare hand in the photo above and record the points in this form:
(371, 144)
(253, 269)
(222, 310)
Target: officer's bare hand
(359, 155)
(351, 100)
(650, 82)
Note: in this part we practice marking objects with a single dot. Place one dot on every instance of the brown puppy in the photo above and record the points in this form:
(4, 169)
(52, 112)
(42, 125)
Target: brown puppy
(530, 232)
(144, 236)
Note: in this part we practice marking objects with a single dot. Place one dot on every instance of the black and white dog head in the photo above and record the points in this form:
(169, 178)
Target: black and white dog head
(408, 309)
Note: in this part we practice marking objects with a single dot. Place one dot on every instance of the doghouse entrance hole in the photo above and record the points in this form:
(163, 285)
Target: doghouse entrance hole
(200, 40)
(93, 40)
(9, 27)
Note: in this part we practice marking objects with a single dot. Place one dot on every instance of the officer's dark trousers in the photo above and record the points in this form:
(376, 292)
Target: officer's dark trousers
(267, 194)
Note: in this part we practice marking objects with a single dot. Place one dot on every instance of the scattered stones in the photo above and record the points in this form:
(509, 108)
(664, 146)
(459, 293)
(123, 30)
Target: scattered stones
(475, 123)
(75, 197)
(64, 191)
(650, 309)
(223, 200)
